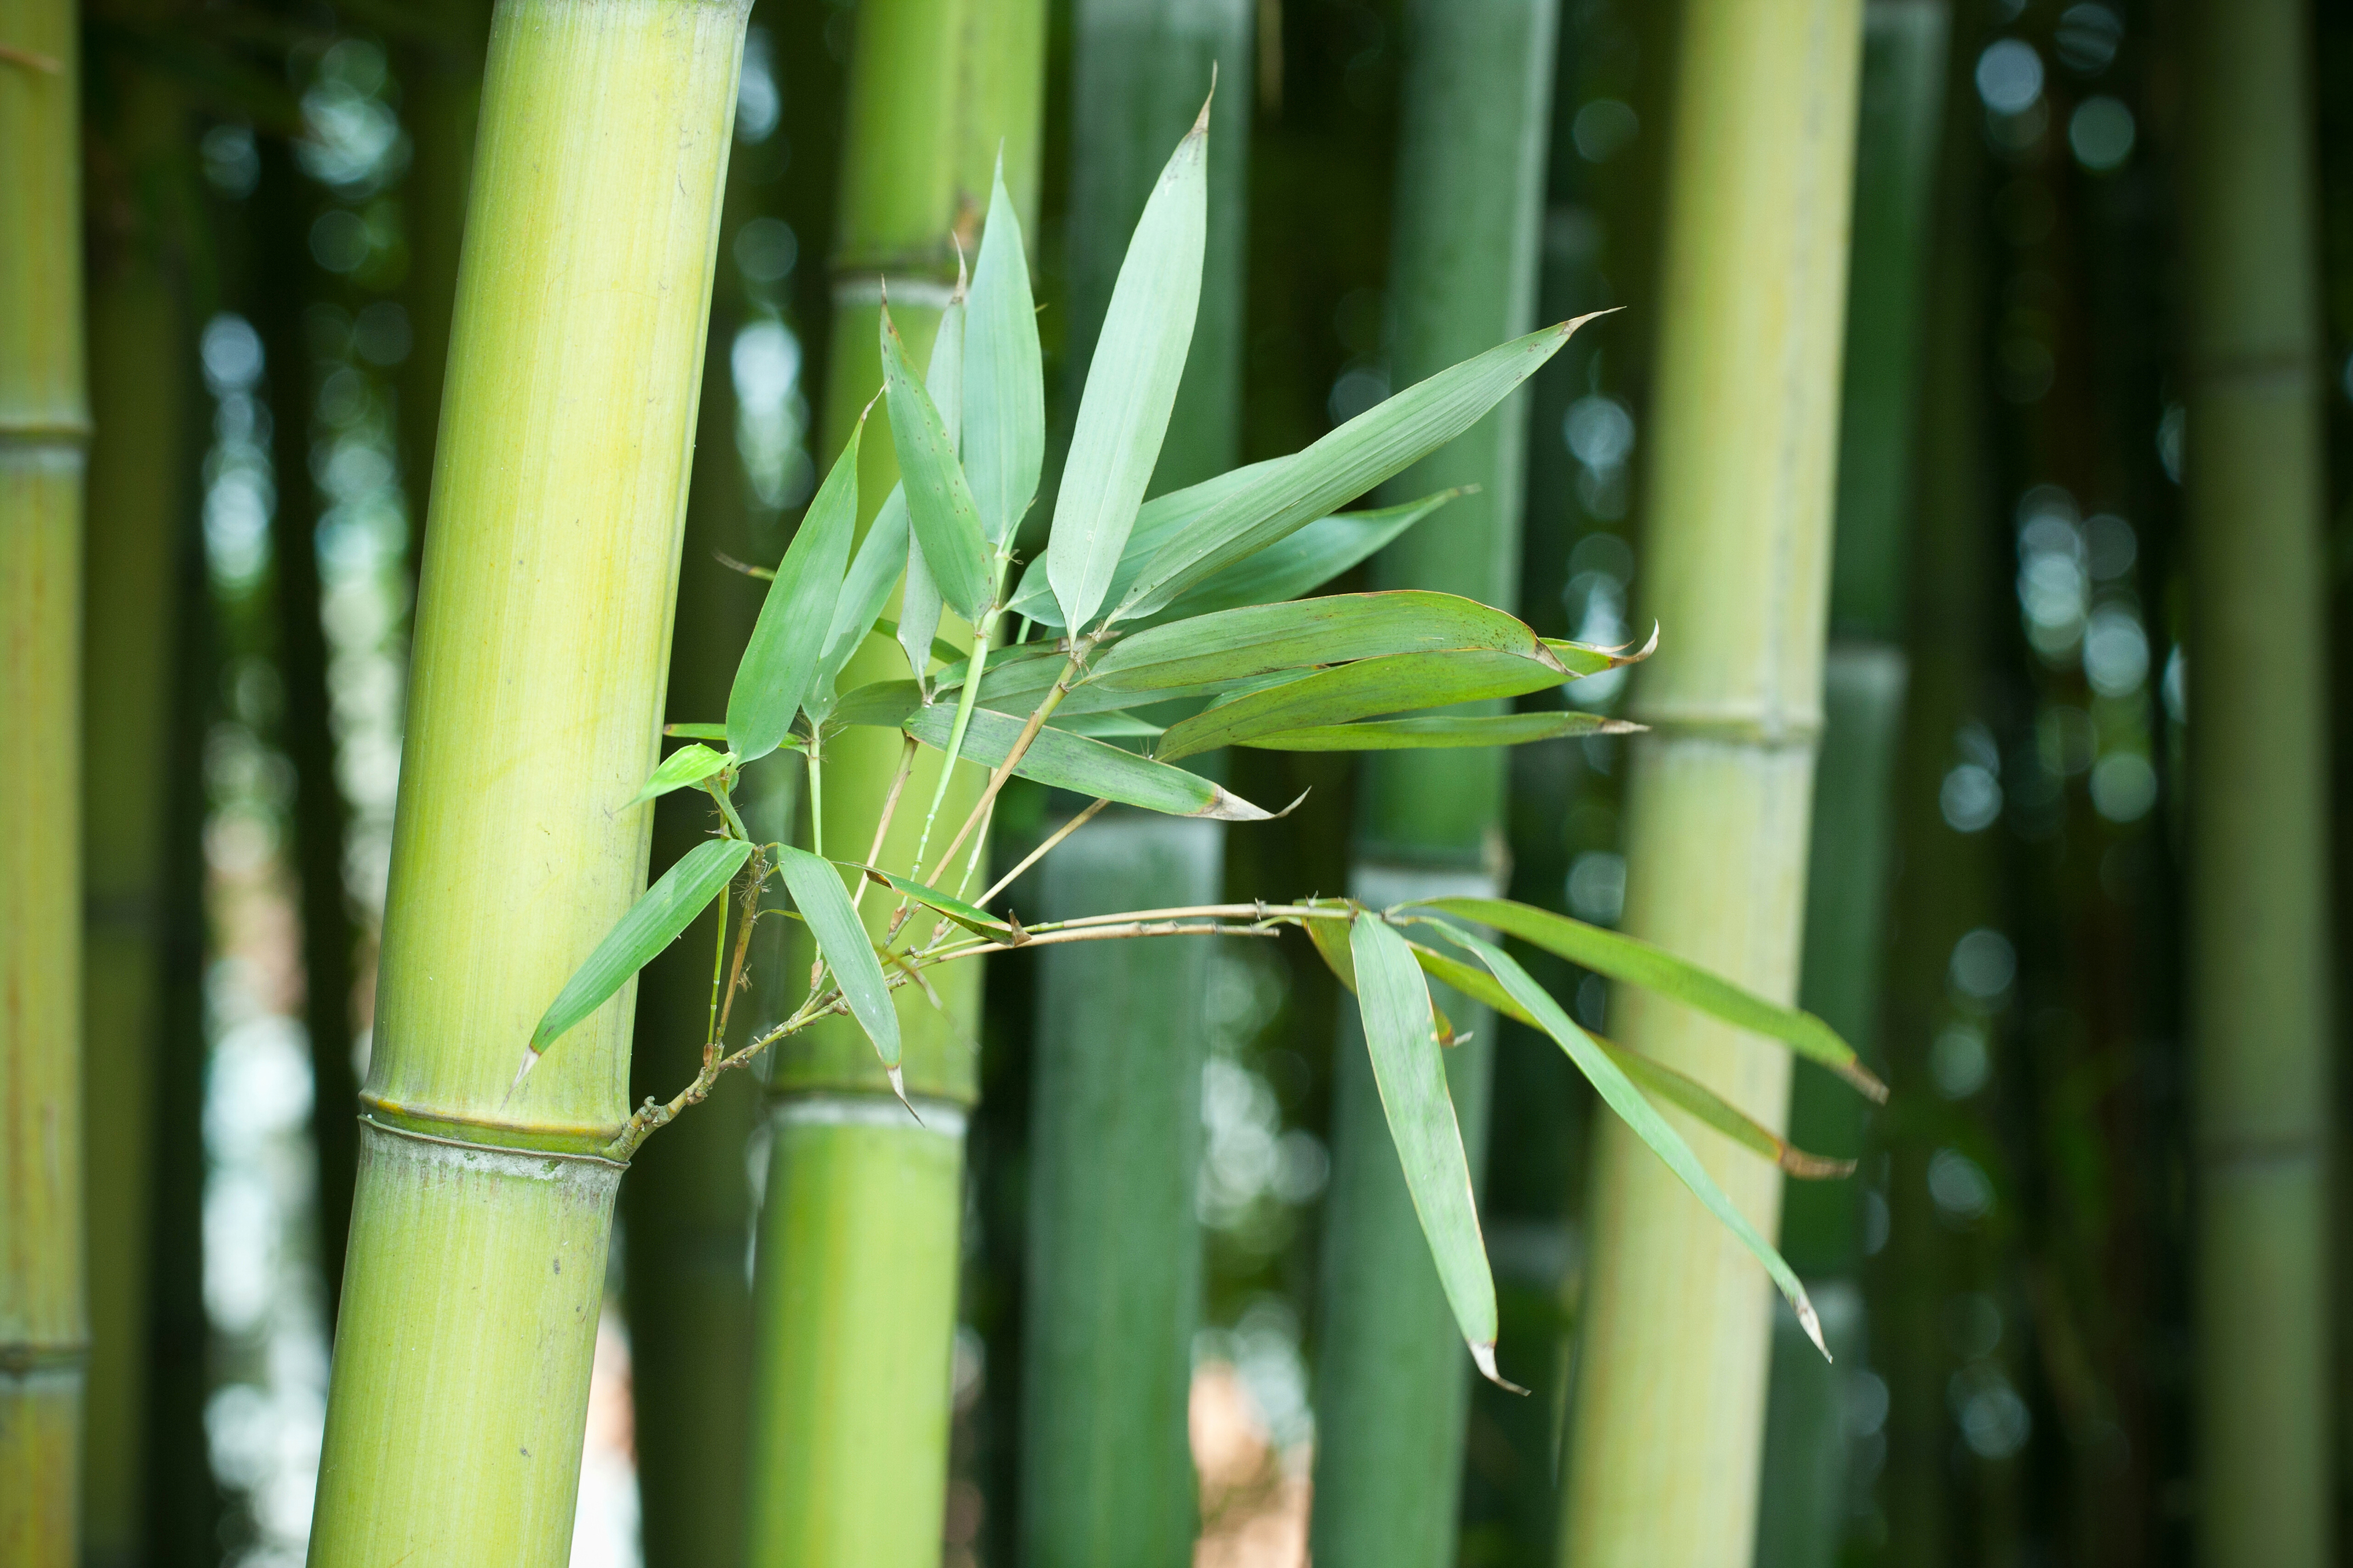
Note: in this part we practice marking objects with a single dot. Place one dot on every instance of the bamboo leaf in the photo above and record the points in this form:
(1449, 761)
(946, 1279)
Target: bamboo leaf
(1584, 658)
(1301, 563)
(1359, 690)
(1441, 730)
(873, 570)
(1382, 441)
(1258, 639)
(1112, 723)
(1660, 1081)
(697, 731)
(1639, 962)
(1131, 382)
(653, 923)
(1608, 1078)
(884, 704)
(1076, 763)
(977, 921)
(817, 894)
(919, 614)
(1161, 519)
(1005, 406)
(1395, 1003)
(942, 649)
(688, 764)
(780, 663)
(940, 509)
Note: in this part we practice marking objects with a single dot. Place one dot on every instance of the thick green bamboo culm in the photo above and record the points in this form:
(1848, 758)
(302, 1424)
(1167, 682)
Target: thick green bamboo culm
(859, 1250)
(1803, 1502)
(1392, 1380)
(44, 428)
(2259, 972)
(1114, 1265)
(139, 511)
(1665, 1432)
(459, 1394)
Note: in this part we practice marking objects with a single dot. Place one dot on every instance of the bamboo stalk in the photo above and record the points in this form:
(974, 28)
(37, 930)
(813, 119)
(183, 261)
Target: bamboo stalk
(1665, 1435)
(854, 1330)
(285, 285)
(460, 1389)
(43, 427)
(1114, 1250)
(138, 518)
(1392, 1383)
(2259, 977)
(1803, 1506)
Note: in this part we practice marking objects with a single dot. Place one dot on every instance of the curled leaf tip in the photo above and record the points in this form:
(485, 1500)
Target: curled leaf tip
(1201, 121)
(1863, 1079)
(1484, 1354)
(1802, 1167)
(1569, 326)
(1812, 1323)
(899, 1086)
(1294, 806)
(530, 1060)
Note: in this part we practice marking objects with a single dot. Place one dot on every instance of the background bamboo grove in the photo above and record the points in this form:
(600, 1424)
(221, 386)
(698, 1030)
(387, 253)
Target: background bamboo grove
(1976, 425)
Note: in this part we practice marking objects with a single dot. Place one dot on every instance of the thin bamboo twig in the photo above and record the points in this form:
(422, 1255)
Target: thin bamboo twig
(890, 808)
(1060, 833)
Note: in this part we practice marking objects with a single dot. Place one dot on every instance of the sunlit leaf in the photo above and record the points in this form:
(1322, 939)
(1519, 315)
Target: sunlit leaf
(1440, 731)
(940, 509)
(1638, 1115)
(1639, 962)
(780, 663)
(688, 764)
(1398, 1034)
(1004, 440)
(1131, 382)
(1089, 767)
(653, 923)
(696, 731)
(1233, 644)
(848, 952)
(1372, 686)
(1382, 441)
(1161, 519)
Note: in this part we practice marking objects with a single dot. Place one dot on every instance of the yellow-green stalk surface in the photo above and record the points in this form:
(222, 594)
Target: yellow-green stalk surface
(857, 1251)
(476, 1262)
(2258, 734)
(139, 493)
(1664, 1439)
(44, 425)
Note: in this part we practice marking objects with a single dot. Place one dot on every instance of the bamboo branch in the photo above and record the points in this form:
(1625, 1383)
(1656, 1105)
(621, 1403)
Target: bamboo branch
(1007, 880)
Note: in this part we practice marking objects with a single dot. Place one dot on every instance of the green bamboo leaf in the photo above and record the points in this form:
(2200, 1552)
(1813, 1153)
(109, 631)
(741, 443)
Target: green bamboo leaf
(1639, 962)
(696, 731)
(1161, 519)
(977, 921)
(1638, 1113)
(883, 704)
(1584, 658)
(1398, 1034)
(817, 894)
(1131, 382)
(1382, 441)
(1258, 639)
(1089, 767)
(688, 764)
(1359, 690)
(942, 649)
(1660, 1081)
(1005, 403)
(872, 571)
(779, 664)
(940, 509)
(1112, 723)
(1441, 730)
(653, 923)
(919, 614)
(1301, 563)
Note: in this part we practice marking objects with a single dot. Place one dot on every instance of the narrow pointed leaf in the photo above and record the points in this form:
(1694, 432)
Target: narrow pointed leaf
(653, 923)
(1661, 1082)
(1360, 691)
(1112, 723)
(688, 764)
(1638, 1115)
(942, 649)
(1301, 563)
(1441, 730)
(696, 731)
(1411, 1075)
(919, 614)
(872, 571)
(1584, 658)
(1089, 767)
(940, 509)
(848, 952)
(1161, 519)
(1257, 639)
(1131, 382)
(1378, 444)
(780, 663)
(1004, 439)
(1639, 962)
(883, 704)
(970, 917)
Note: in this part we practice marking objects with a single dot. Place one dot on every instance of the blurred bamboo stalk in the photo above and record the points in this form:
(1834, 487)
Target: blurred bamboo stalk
(1114, 1277)
(458, 1391)
(1392, 1383)
(140, 518)
(1804, 1501)
(2259, 977)
(860, 1231)
(284, 289)
(1666, 1433)
(44, 429)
